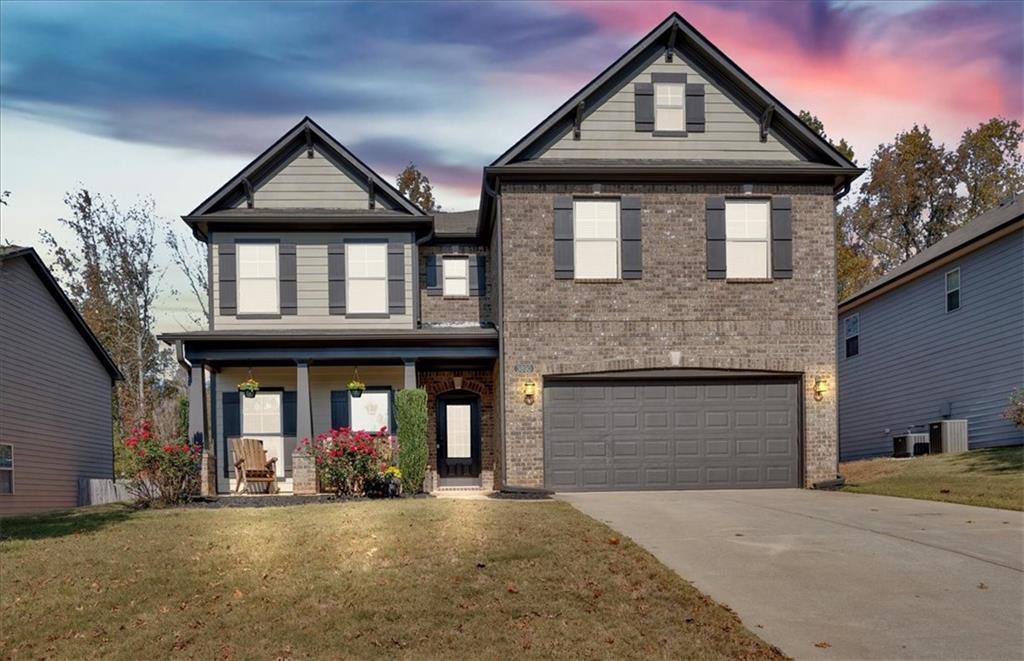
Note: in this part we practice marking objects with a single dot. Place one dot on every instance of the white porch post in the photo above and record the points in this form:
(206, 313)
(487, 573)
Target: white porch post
(410, 374)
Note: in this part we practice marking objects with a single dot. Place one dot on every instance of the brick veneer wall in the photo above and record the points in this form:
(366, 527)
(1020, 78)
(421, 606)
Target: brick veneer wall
(554, 326)
(447, 309)
(480, 382)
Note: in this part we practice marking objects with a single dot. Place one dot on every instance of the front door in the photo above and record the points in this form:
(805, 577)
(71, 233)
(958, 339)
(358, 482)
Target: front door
(458, 435)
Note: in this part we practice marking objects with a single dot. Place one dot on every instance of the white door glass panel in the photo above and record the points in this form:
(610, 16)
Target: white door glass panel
(458, 431)
(371, 411)
(257, 278)
(746, 259)
(261, 420)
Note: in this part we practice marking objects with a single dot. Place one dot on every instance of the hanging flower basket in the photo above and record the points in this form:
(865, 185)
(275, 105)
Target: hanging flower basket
(356, 388)
(249, 387)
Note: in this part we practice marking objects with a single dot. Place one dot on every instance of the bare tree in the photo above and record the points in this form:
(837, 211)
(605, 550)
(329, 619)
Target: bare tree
(190, 257)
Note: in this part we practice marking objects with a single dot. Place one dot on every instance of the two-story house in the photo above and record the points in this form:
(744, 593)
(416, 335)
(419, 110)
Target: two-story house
(645, 298)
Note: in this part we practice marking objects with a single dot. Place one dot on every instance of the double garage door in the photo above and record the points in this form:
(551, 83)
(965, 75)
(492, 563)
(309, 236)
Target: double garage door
(619, 436)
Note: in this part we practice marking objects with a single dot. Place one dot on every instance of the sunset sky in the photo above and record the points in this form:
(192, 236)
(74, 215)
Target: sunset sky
(170, 100)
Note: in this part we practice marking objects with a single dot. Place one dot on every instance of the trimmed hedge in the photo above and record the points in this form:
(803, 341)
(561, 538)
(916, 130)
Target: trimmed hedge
(411, 420)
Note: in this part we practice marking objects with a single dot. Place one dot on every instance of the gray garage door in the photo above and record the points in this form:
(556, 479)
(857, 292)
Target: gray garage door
(671, 435)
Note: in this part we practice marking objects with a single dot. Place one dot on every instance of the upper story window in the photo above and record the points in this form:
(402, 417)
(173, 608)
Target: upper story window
(258, 287)
(596, 239)
(851, 333)
(366, 267)
(669, 108)
(455, 276)
(6, 469)
(747, 239)
(953, 290)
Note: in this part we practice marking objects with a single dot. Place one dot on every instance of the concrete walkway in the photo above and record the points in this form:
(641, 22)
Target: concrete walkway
(826, 575)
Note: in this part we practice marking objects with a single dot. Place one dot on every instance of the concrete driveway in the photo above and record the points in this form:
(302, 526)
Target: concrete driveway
(827, 575)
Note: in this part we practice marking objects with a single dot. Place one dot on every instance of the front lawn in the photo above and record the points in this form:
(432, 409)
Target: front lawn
(988, 478)
(417, 578)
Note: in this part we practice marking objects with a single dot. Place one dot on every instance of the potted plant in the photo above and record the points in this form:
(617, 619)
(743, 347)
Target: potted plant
(356, 388)
(249, 387)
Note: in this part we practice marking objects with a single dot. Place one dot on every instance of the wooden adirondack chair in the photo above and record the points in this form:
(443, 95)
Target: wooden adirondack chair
(251, 464)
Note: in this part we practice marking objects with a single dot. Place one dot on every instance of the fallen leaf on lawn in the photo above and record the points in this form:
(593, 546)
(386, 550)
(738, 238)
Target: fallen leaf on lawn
(613, 540)
(943, 490)
(513, 589)
(982, 586)
(822, 645)
(238, 594)
(739, 534)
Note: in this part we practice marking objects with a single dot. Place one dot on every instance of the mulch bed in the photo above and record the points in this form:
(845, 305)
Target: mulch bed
(277, 500)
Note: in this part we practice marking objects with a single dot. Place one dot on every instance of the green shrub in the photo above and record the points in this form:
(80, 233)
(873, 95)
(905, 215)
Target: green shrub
(411, 419)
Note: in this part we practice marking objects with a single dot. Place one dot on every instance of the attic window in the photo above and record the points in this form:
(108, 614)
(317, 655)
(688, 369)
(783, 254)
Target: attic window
(669, 108)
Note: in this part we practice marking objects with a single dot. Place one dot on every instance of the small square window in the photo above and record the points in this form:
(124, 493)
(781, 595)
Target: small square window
(6, 469)
(953, 290)
(455, 271)
(851, 333)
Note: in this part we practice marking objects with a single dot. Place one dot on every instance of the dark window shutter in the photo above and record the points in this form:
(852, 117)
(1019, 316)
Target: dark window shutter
(227, 279)
(715, 232)
(631, 246)
(339, 409)
(232, 415)
(289, 412)
(695, 108)
(433, 275)
(782, 238)
(563, 238)
(477, 275)
(643, 107)
(396, 278)
(336, 277)
(287, 277)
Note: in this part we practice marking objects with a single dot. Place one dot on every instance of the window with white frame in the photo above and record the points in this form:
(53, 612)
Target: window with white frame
(747, 239)
(6, 469)
(953, 290)
(366, 277)
(669, 108)
(370, 411)
(455, 272)
(851, 333)
(261, 415)
(258, 288)
(596, 239)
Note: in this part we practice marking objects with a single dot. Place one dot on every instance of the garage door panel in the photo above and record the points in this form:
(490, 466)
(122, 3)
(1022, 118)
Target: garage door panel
(671, 436)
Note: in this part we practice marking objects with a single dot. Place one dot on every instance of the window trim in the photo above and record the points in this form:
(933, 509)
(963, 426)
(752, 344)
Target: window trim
(279, 392)
(767, 241)
(444, 278)
(847, 336)
(959, 287)
(385, 312)
(576, 240)
(262, 314)
(670, 132)
(11, 470)
(391, 407)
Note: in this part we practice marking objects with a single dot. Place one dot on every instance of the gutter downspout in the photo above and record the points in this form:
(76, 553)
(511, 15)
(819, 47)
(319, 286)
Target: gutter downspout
(418, 321)
(842, 192)
(179, 356)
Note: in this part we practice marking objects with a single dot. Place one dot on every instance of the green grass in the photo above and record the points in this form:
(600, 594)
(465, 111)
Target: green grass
(987, 478)
(416, 578)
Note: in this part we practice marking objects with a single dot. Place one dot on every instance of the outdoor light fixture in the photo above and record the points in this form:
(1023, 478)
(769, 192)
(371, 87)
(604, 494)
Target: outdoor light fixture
(820, 388)
(529, 391)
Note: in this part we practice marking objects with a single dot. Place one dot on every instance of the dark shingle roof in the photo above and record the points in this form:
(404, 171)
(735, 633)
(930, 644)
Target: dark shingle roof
(457, 223)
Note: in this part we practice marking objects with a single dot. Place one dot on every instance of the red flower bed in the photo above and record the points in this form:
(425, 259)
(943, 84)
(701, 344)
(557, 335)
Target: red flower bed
(348, 461)
(164, 472)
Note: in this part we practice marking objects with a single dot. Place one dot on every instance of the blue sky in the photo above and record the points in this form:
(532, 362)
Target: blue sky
(171, 99)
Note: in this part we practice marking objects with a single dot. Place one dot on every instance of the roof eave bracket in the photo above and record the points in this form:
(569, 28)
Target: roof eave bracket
(766, 121)
(249, 197)
(309, 142)
(577, 124)
(671, 48)
(371, 190)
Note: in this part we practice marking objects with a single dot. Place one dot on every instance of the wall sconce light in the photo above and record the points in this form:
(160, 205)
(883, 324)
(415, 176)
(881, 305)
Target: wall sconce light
(820, 388)
(529, 392)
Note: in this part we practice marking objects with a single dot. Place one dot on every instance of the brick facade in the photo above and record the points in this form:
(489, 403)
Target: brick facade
(449, 309)
(551, 326)
(480, 382)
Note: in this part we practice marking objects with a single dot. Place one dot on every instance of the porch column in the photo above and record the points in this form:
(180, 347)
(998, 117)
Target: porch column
(410, 374)
(197, 430)
(303, 468)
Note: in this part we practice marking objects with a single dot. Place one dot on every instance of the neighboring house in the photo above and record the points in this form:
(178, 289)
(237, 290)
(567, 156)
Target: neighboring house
(644, 299)
(940, 336)
(56, 388)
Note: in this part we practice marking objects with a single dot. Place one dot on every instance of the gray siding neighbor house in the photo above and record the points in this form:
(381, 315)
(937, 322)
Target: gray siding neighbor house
(644, 298)
(56, 383)
(941, 336)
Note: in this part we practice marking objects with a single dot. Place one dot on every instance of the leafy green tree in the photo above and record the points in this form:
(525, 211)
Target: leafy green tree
(416, 186)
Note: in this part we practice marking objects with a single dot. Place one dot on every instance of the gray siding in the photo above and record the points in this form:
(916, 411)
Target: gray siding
(311, 274)
(59, 433)
(730, 133)
(312, 183)
(915, 358)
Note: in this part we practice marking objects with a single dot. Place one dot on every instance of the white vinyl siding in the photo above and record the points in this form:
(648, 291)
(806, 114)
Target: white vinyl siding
(455, 271)
(596, 239)
(6, 469)
(371, 411)
(366, 266)
(669, 109)
(458, 431)
(258, 288)
(747, 239)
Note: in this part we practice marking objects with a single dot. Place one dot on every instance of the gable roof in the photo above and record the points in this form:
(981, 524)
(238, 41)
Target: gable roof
(974, 232)
(675, 30)
(33, 259)
(303, 135)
